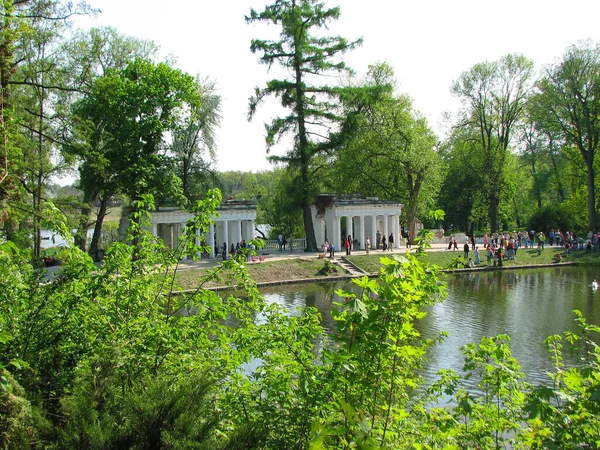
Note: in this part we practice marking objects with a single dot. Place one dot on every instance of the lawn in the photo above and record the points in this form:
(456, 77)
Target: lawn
(444, 259)
(304, 268)
(292, 269)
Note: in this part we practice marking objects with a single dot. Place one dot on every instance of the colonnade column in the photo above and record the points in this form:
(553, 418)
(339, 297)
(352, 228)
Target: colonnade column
(361, 221)
(225, 235)
(386, 230)
(374, 231)
(211, 240)
(319, 226)
(250, 230)
(179, 235)
(337, 230)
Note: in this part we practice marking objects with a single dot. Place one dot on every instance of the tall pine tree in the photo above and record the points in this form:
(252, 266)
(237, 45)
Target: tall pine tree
(305, 54)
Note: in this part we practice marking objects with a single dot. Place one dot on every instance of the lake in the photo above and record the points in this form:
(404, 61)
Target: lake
(527, 304)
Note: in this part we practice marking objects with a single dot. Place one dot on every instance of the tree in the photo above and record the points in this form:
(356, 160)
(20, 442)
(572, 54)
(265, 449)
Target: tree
(193, 142)
(393, 156)
(91, 55)
(33, 85)
(570, 95)
(16, 19)
(461, 194)
(129, 111)
(389, 148)
(494, 96)
(305, 54)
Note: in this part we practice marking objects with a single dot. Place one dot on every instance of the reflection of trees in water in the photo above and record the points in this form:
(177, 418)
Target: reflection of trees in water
(527, 304)
(320, 296)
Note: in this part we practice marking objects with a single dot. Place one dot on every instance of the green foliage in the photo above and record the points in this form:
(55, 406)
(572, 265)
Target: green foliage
(351, 388)
(16, 417)
(458, 262)
(426, 236)
(328, 268)
(119, 326)
(158, 412)
(125, 149)
(314, 110)
(568, 103)
(116, 360)
(493, 94)
(566, 415)
(389, 148)
(555, 217)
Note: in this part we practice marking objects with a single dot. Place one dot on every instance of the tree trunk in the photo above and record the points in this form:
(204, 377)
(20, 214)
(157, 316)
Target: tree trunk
(415, 188)
(560, 193)
(37, 223)
(591, 193)
(517, 217)
(309, 230)
(98, 226)
(84, 220)
(185, 177)
(494, 212)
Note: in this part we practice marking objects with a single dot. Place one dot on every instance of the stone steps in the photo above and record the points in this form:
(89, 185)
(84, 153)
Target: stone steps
(350, 268)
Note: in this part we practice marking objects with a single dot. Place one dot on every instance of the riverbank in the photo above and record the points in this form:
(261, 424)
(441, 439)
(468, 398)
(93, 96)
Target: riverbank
(287, 268)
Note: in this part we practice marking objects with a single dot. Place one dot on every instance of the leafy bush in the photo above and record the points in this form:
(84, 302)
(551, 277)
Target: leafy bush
(117, 361)
(553, 217)
(328, 268)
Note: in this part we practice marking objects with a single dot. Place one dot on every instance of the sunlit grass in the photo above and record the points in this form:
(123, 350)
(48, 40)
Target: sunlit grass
(525, 257)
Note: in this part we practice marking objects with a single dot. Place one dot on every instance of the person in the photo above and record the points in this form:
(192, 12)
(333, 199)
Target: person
(284, 242)
(594, 284)
(477, 260)
(407, 239)
(224, 251)
(348, 245)
(455, 244)
(490, 254)
(232, 251)
(450, 242)
(473, 242)
(499, 255)
(368, 245)
(280, 241)
(485, 240)
(326, 246)
(391, 241)
(466, 249)
(377, 239)
(331, 250)
(383, 244)
(470, 264)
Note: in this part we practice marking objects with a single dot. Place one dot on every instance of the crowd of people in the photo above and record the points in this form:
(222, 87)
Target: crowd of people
(505, 245)
(381, 242)
(234, 249)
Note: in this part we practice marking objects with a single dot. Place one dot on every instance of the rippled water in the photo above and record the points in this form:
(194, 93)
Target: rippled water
(528, 305)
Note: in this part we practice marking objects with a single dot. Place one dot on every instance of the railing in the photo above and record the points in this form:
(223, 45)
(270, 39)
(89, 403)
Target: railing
(292, 244)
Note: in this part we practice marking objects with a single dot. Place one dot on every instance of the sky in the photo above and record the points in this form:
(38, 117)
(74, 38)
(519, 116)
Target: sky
(427, 43)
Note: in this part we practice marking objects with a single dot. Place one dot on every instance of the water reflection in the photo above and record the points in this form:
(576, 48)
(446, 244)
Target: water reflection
(528, 305)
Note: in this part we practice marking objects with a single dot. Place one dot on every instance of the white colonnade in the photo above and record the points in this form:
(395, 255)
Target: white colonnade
(337, 217)
(235, 222)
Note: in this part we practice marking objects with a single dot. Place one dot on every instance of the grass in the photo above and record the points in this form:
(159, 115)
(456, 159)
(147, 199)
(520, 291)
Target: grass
(525, 257)
(291, 269)
(304, 268)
